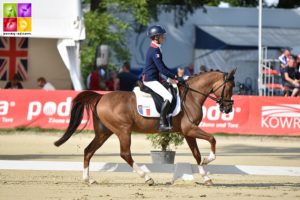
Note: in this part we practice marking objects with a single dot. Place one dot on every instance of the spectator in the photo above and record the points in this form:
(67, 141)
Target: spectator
(180, 73)
(189, 70)
(113, 83)
(126, 79)
(42, 83)
(283, 58)
(298, 66)
(203, 68)
(14, 83)
(289, 80)
(96, 80)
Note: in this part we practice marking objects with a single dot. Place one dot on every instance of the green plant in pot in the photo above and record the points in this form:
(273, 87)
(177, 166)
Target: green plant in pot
(164, 141)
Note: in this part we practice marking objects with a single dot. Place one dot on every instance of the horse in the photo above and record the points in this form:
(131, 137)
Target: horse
(116, 112)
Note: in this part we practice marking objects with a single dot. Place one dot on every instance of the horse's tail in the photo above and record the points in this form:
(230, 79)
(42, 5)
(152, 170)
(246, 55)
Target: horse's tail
(84, 100)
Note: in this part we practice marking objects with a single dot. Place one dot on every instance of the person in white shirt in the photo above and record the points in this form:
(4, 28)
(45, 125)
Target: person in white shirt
(284, 58)
(181, 73)
(42, 83)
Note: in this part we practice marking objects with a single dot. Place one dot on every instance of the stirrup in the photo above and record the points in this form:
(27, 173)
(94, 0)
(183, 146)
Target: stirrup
(163, 129)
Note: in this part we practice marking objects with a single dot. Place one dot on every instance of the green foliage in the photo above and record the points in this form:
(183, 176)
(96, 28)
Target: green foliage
(165, 140)
(143, 11)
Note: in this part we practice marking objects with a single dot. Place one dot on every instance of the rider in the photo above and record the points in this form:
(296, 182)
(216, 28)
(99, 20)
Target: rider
(154, 66)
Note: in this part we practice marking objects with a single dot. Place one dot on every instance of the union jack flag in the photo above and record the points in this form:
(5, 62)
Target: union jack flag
(13, 58)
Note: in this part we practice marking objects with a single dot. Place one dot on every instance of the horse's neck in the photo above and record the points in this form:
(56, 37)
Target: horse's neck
(204, 84)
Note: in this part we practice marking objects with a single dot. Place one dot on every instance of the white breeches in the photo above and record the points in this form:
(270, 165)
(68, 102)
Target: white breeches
(159, 89)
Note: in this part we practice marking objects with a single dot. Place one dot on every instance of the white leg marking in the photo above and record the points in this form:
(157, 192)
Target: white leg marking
(140, 172)
(85, 174)
(208, 159)
(203, 174)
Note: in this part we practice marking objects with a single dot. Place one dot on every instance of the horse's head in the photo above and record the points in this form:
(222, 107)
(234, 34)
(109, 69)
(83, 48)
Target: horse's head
(223, 91)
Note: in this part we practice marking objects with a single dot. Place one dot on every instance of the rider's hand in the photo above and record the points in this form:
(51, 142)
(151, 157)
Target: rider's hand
(180, 80)
(172, 81)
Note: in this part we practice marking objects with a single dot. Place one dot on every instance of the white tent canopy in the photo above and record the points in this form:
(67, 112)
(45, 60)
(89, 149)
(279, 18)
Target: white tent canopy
(51, 19)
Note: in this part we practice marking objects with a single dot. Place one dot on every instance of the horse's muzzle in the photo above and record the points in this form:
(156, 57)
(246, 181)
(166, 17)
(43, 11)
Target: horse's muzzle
(226, 106)
(226, 110)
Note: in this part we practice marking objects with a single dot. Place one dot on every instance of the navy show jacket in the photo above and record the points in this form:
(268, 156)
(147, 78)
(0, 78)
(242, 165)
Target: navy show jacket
(155, 65)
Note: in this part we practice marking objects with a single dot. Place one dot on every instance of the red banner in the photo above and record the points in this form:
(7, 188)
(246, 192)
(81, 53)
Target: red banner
(251, 114)
(255, 115)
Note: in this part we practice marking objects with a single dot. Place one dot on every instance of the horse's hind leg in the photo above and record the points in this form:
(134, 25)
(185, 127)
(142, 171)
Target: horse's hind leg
(125, 143)
(101, 135)
(196, 153)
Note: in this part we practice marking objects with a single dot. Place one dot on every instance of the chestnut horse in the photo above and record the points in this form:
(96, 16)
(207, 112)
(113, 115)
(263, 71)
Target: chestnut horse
(116, 112)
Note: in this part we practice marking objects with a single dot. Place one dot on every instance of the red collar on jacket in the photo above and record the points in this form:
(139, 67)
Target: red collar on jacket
(154, 45)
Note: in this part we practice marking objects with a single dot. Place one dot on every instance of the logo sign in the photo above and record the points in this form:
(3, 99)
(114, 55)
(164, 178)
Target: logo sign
(281, 116)
(17, 19)
(214, 118)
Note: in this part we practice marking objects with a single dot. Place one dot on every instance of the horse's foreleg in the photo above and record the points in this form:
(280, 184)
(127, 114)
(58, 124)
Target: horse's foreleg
(197, 155)
(89, 151)
(125, 142)
(194, 148)
(196, 132)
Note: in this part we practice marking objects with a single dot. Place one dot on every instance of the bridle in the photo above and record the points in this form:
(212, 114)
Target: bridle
(221, 100)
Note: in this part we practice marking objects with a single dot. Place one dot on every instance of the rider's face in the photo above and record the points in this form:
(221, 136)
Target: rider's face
(161, 39)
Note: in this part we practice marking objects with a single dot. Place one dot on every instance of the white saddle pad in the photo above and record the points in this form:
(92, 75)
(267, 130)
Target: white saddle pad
(146, 106)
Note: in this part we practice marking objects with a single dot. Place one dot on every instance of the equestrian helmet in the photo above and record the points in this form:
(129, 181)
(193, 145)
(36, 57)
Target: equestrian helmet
(155, 30)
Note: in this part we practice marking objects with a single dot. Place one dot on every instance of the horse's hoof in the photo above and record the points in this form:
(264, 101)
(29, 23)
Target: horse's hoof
(150, 182)
(90, 181)
(208, 183)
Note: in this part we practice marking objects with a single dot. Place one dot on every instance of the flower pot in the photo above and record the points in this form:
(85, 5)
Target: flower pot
(163, 157)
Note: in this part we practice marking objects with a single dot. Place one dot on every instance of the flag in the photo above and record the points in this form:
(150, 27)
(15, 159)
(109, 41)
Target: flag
(13, 58)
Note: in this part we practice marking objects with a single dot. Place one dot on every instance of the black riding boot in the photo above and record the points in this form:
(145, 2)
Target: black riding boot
(163, 122)
(169, 120)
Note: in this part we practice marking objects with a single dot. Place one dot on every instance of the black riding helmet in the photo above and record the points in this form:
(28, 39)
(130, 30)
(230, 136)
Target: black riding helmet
(155, 30)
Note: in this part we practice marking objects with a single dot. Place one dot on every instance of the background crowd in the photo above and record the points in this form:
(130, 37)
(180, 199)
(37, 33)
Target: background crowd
(125, 80)
(290, 74)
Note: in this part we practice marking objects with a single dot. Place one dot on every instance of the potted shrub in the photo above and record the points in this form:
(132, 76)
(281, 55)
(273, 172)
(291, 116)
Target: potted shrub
(164, 141)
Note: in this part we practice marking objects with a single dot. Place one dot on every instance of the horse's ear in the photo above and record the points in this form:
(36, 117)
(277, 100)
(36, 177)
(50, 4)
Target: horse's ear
(231, 73)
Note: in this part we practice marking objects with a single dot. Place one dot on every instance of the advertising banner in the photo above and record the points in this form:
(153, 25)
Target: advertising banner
(36, 108)
(251, 114)
(254, 115)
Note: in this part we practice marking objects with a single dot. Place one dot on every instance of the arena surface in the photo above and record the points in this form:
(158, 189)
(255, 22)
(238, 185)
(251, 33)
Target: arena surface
(231, 150)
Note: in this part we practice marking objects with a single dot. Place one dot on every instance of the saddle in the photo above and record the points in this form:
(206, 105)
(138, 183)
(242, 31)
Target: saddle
(149, 103)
